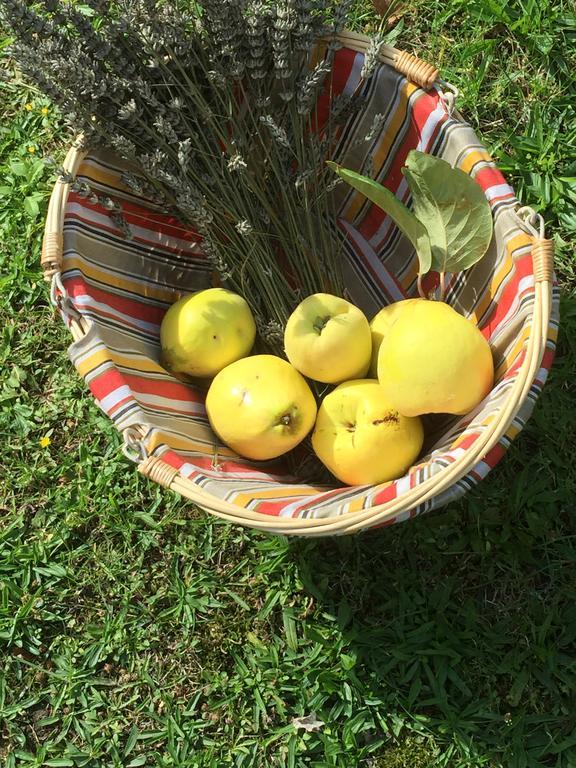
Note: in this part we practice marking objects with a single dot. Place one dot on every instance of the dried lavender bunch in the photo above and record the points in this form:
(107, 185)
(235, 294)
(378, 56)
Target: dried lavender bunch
(217, 108)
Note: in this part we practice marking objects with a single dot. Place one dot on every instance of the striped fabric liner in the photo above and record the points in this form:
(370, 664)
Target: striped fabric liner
(123, 288)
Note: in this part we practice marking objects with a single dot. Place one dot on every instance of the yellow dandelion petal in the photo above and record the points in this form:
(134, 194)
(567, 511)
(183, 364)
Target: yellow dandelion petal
(31, 150)
(44, 441)
(28, 107)
(45, 111)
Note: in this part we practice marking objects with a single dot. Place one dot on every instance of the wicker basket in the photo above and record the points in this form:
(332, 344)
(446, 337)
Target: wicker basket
(113, 292)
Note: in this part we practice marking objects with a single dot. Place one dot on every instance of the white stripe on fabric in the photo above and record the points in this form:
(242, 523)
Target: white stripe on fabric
(525, 284)
(403, 485)
(481, 469)
(499, 190)
(354, 76)
(109, 401)
(371, 257)
(87, 302)
(378, 238)
(182, 406)
(151, 236)
(436, 116)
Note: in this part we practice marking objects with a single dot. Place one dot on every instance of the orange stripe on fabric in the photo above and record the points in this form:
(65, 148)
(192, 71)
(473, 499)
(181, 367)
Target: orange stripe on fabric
(381, 153)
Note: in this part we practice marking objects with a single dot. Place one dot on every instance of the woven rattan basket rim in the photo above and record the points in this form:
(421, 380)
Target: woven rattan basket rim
(162, 472)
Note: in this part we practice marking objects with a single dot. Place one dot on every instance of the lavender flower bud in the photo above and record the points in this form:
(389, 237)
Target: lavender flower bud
(236, 163)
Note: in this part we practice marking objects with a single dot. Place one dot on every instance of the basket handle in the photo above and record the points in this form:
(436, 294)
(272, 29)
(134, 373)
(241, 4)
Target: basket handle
(53, 242)
(416, 70)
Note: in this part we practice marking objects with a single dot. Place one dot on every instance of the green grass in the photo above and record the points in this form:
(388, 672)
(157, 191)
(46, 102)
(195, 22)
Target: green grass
(135, 630)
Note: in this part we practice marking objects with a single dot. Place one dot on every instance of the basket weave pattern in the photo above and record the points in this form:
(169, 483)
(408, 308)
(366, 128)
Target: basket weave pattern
(118, 291)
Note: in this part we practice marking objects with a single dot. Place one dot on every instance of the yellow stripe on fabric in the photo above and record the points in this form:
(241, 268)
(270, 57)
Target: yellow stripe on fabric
(188, 445)
(72, 261)
(522, 240)
(514, 351)
(283, 492)
(91, 362)
(318, 54)
(357, 504)
(513, 431)
(473, 157)
(100, 175)
(357, 200)
(137, 363)
(411, 275)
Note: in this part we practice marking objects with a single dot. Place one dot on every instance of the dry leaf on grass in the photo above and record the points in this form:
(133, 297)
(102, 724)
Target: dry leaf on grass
(309, 723)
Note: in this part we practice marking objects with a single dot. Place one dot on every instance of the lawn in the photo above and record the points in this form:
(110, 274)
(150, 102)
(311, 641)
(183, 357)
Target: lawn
(135, 630)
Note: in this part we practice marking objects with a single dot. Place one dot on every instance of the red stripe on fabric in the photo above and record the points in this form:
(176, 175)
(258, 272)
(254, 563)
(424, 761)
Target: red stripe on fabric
(516, 364)
(386, 523)
(206, 465)
(334, 85)
(430, 282)
(310, 502)
(76, 287)
(169, 389)
(494, 455)
(420, 110)
(368, 266)
(173, 459)
(467, 441)
(272, 508)
(112, 410)
(490, 177)
(521, 268)
(387, 494)
(143, 217)
(114, 231)
(106, 383)
(548, 358)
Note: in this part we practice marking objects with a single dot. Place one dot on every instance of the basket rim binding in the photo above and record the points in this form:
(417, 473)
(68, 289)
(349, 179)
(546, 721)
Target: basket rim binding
(425, 76)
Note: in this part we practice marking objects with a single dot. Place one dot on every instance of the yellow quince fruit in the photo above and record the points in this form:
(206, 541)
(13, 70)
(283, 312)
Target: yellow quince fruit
(206, 331)
(361, 437)
(260, 406)
(380, 326)
(434, 360)
(328, 339)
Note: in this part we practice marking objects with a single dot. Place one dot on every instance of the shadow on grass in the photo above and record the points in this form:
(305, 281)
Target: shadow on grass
(463, 623)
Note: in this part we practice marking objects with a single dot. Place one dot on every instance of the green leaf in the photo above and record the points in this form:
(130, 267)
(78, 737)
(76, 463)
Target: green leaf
(131, 740)
(397, 211)
(19, 168)
(31, 206)
(290, 629)
(453, 209)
